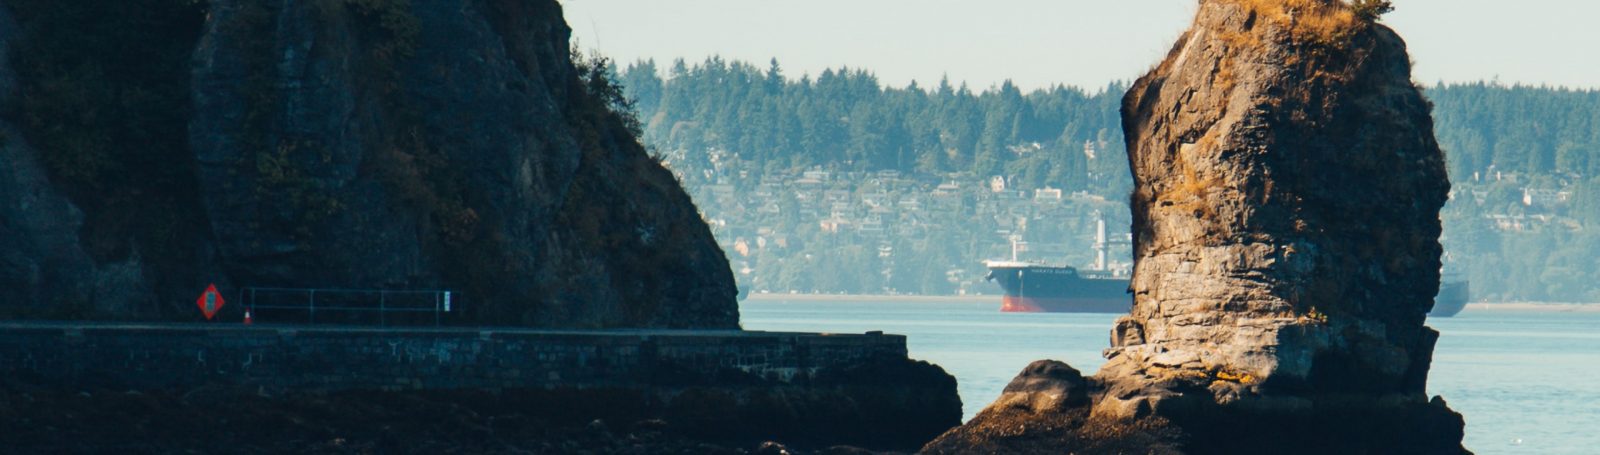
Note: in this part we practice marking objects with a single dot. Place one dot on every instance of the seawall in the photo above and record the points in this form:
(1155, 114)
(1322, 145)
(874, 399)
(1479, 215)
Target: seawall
(856, 389)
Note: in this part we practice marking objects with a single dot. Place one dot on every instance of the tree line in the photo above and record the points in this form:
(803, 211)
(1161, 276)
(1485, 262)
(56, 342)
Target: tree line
(1521, 129)
(845, 119)
(1498, 139)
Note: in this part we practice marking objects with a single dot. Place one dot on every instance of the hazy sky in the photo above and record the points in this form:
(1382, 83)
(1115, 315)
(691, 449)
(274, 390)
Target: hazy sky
(1079, 42)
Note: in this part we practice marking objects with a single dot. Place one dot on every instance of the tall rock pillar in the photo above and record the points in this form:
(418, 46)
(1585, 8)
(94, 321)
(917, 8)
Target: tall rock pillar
(1286, 242)
(1286, 217)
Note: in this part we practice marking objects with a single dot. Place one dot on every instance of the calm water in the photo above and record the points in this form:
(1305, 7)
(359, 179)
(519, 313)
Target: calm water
(1527, 382)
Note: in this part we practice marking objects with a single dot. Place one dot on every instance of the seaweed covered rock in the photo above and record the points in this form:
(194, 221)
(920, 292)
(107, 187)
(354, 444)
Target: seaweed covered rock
(1286, 226)
(372, 144)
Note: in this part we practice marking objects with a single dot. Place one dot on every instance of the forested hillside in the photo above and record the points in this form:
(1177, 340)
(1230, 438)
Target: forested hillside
(1523, 223)
(845, 120)
(1528, 130)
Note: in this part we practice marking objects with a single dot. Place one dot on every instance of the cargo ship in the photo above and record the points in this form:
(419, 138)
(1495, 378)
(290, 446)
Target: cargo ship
(1039, 288)
(1453, 290)
(1032, 287)
(1452, 298)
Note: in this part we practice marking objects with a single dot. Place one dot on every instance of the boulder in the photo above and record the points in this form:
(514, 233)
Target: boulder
(1045, 409)
(1044, 386)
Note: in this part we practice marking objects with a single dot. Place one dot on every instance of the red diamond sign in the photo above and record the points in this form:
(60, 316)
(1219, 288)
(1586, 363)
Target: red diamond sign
(210, 301)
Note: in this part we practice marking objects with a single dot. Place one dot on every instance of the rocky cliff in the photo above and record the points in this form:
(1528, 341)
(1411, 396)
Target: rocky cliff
(1286, 225)
(154, 146)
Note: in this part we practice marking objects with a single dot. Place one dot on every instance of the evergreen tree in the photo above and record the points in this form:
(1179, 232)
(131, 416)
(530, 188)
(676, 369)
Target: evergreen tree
(644, 86)
(759, 122)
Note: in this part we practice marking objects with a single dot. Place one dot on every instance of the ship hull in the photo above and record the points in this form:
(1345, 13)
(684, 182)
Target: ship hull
(1010, 304)
(1042, 289)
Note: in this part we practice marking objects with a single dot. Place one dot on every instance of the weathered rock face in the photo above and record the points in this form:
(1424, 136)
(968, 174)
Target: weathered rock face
(361, 144)
(1287, 213)
(1286, 225)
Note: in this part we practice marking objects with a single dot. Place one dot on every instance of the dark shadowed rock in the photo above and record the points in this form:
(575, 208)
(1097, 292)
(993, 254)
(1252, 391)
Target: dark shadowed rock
(425, 144)
(342, 144)
(43, 269)
(773, 448)
(1286, 225)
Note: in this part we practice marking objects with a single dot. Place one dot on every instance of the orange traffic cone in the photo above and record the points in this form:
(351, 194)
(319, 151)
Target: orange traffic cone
(247, 320)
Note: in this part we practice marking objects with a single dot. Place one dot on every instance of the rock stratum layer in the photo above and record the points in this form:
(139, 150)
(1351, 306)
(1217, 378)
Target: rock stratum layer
(1286, 225)
(378, 144)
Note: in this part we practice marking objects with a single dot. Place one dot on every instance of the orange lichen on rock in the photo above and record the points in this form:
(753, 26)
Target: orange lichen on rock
(1323, 20)
(1242, 378)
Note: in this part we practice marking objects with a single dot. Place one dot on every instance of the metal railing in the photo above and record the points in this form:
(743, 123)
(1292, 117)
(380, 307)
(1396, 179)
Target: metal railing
(346, 306)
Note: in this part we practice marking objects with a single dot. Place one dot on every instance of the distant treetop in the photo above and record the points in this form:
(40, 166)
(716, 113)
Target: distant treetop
(1369, 10)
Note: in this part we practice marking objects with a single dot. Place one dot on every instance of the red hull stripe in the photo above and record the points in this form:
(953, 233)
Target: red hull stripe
(1012, 304)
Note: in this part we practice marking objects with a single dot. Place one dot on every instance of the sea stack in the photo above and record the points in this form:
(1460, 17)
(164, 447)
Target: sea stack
(1286, 226)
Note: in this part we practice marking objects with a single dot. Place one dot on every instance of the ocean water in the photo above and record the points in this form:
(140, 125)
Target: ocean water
(1527, 382)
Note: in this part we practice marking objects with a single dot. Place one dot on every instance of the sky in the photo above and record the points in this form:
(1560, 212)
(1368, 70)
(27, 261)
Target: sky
(1039, 43)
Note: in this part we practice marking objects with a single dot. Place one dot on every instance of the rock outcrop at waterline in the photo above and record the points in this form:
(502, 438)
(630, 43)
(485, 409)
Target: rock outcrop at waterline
(155, 146)
(1286, 225)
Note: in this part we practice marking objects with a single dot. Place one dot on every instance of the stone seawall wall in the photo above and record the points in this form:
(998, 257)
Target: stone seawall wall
(720, 385)
(331, 359)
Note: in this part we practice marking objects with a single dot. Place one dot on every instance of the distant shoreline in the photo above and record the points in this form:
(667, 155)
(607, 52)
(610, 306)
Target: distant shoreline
(993, 299)
(1536, 307)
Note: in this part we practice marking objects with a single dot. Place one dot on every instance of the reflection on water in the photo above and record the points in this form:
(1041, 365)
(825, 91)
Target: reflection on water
(1527, 382)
